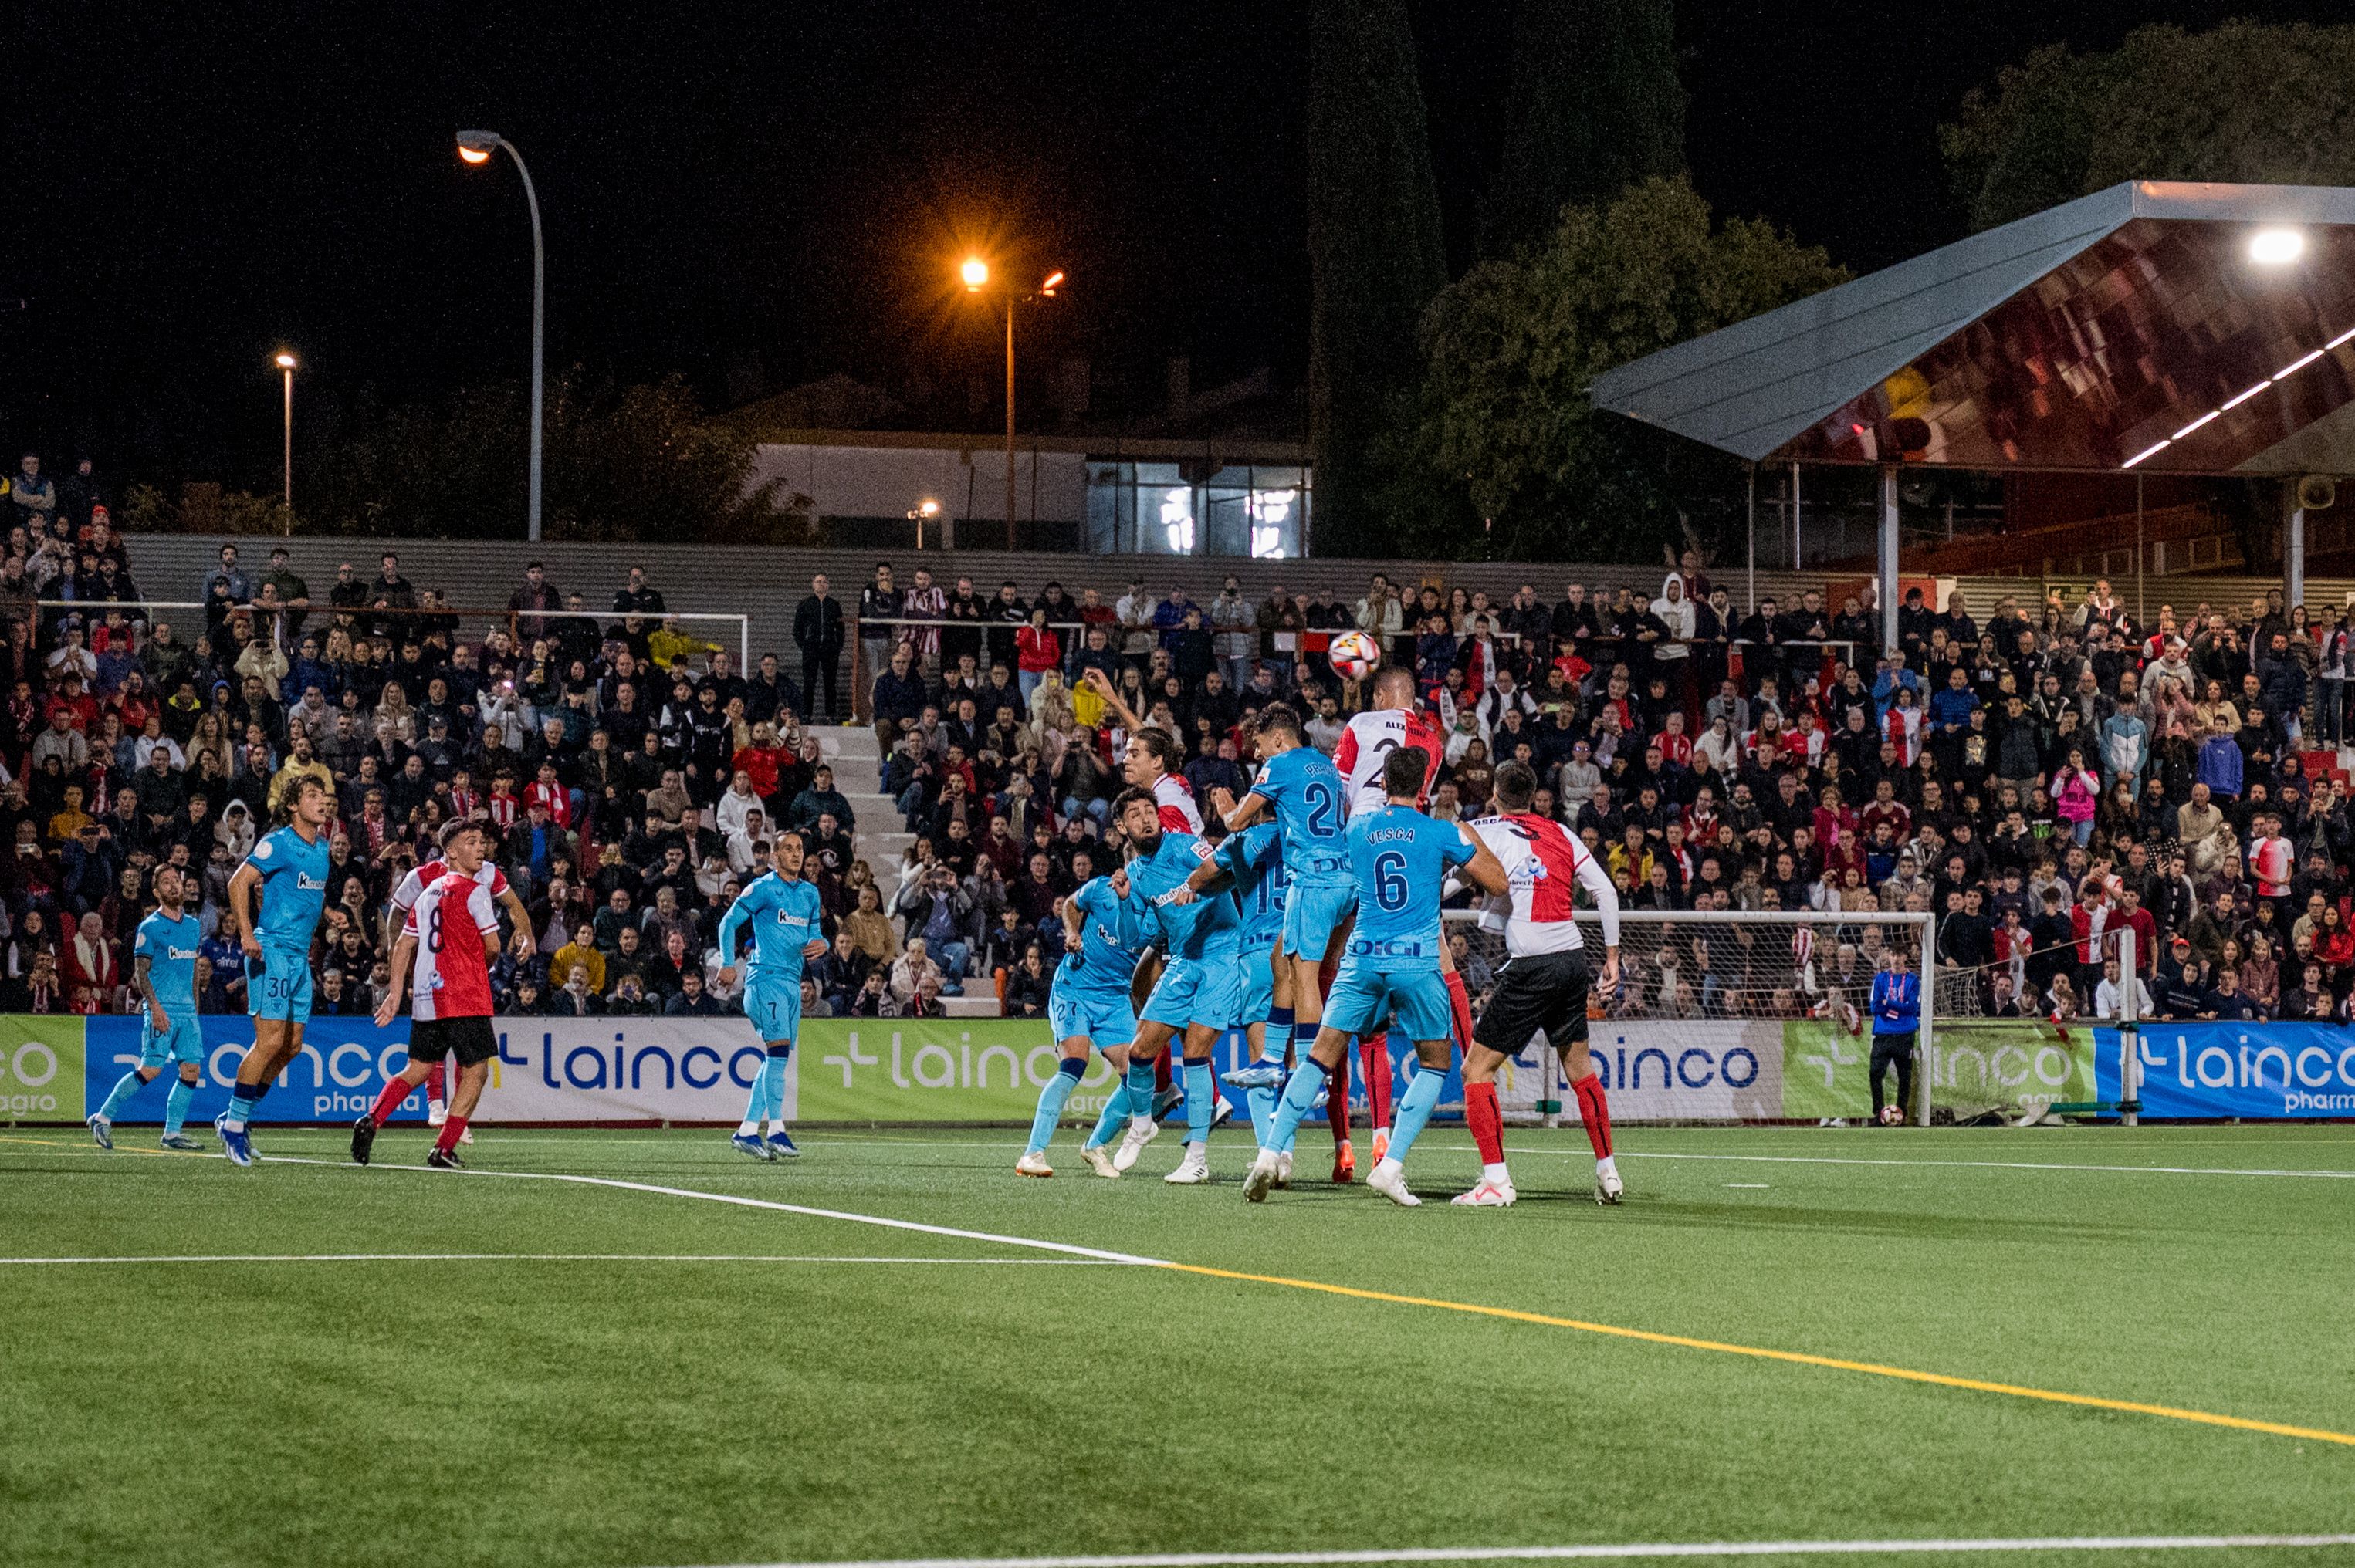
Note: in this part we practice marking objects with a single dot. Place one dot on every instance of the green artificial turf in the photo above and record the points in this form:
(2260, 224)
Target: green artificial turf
(657, 1413)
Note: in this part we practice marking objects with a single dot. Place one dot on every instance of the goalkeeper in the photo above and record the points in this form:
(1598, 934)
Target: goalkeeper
(1896, 1026)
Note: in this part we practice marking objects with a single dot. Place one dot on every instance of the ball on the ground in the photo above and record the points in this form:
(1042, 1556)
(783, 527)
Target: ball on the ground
(1890, 1116)
(1353, 655)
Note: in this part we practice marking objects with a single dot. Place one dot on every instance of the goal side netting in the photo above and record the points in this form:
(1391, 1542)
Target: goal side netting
(1765, 1017)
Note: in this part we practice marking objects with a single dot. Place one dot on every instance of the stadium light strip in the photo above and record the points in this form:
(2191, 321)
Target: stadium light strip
(1626, 1551)
(1469, 1308)
(2284, 374)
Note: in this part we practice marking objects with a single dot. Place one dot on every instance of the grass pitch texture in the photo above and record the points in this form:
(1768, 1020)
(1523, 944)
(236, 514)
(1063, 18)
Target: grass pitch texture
(583, 1374)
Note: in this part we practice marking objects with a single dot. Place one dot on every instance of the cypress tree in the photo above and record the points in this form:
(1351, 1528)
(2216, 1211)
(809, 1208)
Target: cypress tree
(1374, 249)
(1595, 107)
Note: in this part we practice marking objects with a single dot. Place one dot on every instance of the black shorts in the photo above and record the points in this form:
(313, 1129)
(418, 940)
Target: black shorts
(471, 1040)
(1534, 991)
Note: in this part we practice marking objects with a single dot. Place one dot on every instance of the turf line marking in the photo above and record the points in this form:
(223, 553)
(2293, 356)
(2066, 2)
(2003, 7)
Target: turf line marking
(1989, 1165)
(1648, 1336)
(1623, 1550)
(550, 1257)
(1067, 1248)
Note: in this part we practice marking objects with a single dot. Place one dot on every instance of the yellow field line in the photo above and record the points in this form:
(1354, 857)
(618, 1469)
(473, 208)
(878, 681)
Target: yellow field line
(74, 1147)
(1760, 1353)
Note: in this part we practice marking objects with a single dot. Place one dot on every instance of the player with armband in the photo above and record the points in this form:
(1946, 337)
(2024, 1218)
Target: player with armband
(1544, 982)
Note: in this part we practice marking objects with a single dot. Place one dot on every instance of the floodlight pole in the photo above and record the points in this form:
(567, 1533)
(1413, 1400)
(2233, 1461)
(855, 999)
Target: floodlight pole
(2294, 554)
(1888, 558)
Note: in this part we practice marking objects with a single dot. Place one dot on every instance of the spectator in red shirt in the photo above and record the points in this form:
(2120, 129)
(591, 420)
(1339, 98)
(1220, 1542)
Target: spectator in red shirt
(1037, 650)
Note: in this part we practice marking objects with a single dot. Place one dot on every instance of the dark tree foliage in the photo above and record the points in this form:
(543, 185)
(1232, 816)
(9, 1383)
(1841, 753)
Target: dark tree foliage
(1374, 250)
(1595, 107)
(2246, 102)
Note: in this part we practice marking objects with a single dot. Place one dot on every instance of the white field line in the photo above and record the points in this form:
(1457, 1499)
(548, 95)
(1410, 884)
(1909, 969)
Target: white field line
(1629, 1550)
(1065, 1248)
(1988, 1165)
(548, 1257)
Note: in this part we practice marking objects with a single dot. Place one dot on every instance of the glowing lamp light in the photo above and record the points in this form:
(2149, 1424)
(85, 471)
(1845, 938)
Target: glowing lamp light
(976, 273)
(285, 362)
(928, 509)
(2276, 247)
(474, 155)
(1054, 282)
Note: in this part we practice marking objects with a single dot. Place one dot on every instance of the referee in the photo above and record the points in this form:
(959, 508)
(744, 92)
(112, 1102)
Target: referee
(1896, 1028)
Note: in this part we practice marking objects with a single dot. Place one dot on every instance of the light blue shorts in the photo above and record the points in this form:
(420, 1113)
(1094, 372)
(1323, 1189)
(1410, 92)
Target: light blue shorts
(1209, 992)
(1102, 1018)
(774, 1006)
(278, 984)
(184, 1042)
(1258, 988)
(1364, 994)
(1311, 915)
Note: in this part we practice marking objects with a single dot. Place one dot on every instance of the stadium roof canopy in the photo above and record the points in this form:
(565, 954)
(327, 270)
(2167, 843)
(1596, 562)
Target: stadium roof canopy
(2153, 327)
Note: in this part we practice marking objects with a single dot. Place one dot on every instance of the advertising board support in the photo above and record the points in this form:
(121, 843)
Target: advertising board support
(2129, 1038)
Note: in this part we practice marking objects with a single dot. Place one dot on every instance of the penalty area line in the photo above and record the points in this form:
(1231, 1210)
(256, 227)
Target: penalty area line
(1622, 1551)
(1613, 1330)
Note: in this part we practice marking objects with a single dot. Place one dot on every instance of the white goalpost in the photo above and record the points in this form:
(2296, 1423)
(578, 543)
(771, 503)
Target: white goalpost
(1729, 1016)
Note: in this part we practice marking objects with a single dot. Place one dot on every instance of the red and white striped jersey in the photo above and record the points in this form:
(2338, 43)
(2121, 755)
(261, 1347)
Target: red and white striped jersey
(448, 922)
(2271, 862)
(1541, 860)
(421, 877)
(1178, 812)
(1367, 742)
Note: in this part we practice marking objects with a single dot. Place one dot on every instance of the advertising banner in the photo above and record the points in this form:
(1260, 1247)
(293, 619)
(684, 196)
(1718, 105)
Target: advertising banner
(2253, 1071)
(41, 1068)
(340, 1070)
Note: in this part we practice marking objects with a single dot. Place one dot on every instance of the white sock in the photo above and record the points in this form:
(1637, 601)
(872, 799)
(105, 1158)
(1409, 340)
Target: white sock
(1139, 1123)
(1197, 1151)
(1496, 1173)
(1606, 1166)
(748, 1129)
(1386, 1167)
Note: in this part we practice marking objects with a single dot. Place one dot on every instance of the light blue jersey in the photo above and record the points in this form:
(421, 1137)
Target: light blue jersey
(1090, 999)
(1204, 928)
(784, 917)
(170, 948)
(1115, 935)
(1306, 792)
(294, 888)
(1400, 858)
(1261, 883)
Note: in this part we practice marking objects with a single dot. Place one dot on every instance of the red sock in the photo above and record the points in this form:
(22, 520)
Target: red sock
(1161, 1071)
(1595, 1112)
(437, 1084)
(452, 1131)
(388, 1102)
(1487, 1120)
(1375, 1054)
(1459, 1003)
(1337, 1100)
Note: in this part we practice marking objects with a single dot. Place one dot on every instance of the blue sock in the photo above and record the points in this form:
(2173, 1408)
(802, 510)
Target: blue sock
(777, 1092)
(1277, 1036)
(1260, 1103)
(1299, 1098)
(1201, 1101)
(1414, 1109)
(1052, 1097)
(126, 1089)
(1115, 1118)
(175, 1106)
(1142, 1088)
(241, 1102)
(756, 1104)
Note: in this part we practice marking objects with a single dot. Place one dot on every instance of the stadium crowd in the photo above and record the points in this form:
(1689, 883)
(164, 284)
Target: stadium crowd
(2055, 775)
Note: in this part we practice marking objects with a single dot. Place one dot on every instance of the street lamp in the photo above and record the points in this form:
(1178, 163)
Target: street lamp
(975, 274)
(476, 147)
(285, 363)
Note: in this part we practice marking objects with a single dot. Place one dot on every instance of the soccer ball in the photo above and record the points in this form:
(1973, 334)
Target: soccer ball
(1890, 1116)
(1353, 655)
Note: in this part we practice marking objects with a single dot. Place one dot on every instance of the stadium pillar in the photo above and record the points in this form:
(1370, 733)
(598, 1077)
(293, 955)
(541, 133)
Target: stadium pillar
(1888, 558)
(1753, 607)
(2294, 556)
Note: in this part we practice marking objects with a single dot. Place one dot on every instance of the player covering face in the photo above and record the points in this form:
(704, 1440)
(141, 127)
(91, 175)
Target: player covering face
(1400, 858)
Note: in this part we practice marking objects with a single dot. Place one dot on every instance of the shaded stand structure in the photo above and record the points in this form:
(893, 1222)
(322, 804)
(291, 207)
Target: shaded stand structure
(2153, 327)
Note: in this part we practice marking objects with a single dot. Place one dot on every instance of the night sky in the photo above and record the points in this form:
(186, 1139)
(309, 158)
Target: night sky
(758, 194)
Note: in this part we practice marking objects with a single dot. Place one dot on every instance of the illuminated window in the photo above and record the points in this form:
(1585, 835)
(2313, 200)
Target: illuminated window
(1177, 519)
(1269, 511)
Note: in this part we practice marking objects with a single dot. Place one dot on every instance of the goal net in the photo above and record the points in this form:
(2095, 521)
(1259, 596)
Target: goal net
(1731, 1017)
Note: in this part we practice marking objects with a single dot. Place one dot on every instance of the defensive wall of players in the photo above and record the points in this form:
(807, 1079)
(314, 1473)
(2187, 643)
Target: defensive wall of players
(57, 1070)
